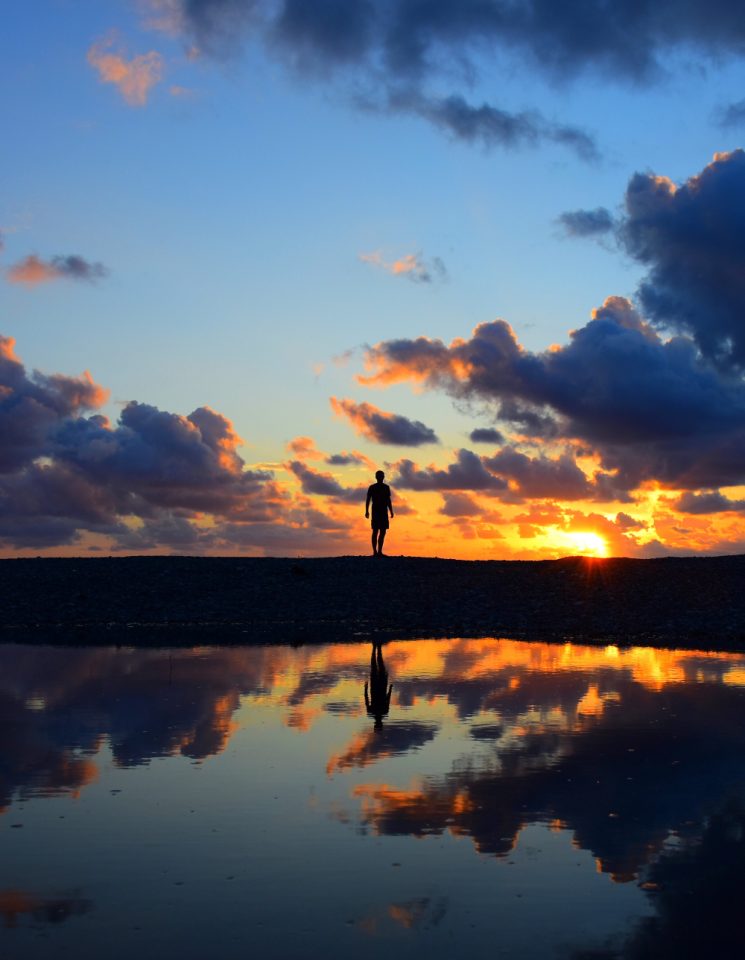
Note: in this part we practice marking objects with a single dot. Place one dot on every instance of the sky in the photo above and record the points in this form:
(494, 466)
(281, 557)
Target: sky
(252, 251)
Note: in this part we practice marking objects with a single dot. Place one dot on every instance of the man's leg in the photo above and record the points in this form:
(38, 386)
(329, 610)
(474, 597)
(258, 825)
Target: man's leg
(381, 538)
(375, 541)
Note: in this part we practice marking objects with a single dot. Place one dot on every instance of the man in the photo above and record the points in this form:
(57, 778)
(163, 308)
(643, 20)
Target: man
(380, 495)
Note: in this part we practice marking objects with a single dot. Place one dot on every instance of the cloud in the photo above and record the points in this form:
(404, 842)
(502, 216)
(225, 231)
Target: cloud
(32, 270)
(459, 505)
(414, 40)
(63, 472)
(586, 223)
(490, 126)
(485, 435)
(397, 55)
(712, 501)
(133, 78)
(305, 448)
(651, 409)
(346, 458)
(691, 237)
(390, 51)
(466, 473)
(733, 115)
(541, 477)
(411, 266)
(32, 407)
(382, 427)
(316, 482)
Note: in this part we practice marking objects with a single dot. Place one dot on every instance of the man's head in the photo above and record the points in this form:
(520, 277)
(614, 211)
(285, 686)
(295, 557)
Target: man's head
(379, 476)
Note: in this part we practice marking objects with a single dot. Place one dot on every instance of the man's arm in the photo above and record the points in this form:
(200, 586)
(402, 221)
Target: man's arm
(367, 502)
(390, 505)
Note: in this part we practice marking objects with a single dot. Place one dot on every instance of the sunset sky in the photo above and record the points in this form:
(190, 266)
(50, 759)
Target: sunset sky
(496, 249)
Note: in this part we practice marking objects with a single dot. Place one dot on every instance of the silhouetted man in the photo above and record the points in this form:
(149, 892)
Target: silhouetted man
(380, 495)
(378, 692)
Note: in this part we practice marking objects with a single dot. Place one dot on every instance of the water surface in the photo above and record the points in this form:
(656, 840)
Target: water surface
(518, 799)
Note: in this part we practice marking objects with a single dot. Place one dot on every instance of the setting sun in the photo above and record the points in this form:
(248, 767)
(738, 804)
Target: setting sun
(585, 543)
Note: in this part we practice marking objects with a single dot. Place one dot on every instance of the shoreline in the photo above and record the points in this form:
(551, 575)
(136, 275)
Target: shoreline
(161, 601)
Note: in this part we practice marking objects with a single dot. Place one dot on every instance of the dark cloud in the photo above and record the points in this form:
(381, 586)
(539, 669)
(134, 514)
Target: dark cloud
(541, 477)
(626, 522)
(459, 505)
(382, 427)
(490, 126)
(394, 48)
(33, 270)
(143, 481)
(156, 459)
(466, 473)
(691, 238)
(712, 501)
(403, 49)
(31, 406)
(653, 409)
(315, 482)
(411, 40)
(345, 459)
(586, 223)
(485, 435)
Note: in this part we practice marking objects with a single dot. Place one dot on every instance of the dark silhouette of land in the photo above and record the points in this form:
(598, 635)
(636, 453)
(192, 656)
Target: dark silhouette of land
(378, 691)
(698, 602)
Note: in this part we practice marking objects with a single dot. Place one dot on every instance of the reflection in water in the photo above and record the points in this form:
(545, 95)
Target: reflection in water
(377, 691)
(16, 906)
(628, 763)
(697, 890)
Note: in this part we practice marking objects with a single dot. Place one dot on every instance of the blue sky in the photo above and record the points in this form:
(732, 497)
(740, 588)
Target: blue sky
(231, 206)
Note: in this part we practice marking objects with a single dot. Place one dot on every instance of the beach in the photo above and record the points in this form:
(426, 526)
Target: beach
(672, 602)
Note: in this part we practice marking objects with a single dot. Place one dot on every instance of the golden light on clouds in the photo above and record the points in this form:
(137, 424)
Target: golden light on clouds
(133, 78)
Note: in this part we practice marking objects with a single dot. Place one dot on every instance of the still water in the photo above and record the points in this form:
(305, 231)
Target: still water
(509, 799)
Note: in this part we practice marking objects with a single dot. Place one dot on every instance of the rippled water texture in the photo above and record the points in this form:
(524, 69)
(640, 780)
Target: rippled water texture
(516, 799)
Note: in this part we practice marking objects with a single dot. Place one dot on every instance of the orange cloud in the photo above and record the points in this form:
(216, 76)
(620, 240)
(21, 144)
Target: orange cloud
(32, 270)
(305, 448)
(133, 78)
(411, 265)
(381, 426)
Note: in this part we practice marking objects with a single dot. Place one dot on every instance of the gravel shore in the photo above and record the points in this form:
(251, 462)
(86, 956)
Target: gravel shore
(698, 602)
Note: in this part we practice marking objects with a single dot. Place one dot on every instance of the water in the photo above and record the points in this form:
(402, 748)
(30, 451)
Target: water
(521, 800)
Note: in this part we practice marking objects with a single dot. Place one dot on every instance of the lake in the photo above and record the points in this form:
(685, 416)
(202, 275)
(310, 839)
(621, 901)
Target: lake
(431, 798)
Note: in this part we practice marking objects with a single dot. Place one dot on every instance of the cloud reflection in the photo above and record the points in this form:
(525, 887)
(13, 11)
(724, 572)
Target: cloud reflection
(625, 748)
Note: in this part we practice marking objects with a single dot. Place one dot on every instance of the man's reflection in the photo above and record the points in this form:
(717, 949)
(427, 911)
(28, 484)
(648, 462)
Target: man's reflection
(378, 692)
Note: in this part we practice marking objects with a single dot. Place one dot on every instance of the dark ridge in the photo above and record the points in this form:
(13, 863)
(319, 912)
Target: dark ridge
(690, 602)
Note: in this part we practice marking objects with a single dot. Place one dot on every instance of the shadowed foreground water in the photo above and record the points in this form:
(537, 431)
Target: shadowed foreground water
(521, 799)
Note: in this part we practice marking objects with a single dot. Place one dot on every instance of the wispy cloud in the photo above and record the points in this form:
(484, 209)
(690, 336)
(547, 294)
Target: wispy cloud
(134, 78)
(411, 265)
(489, 125)
(586, 223)
(33, 270)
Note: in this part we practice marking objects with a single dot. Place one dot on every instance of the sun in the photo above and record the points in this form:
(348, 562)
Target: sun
(586, 543)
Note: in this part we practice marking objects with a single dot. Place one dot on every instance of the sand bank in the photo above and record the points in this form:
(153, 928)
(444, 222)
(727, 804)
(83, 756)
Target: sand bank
(185, 600)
